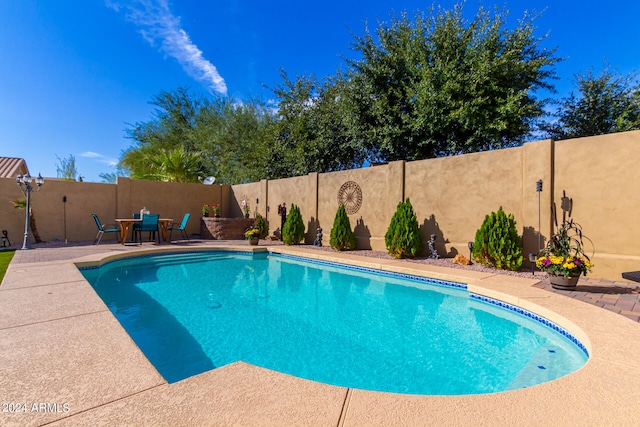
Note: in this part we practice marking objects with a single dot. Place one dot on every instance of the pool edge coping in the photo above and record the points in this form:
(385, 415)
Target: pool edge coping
(365, 405)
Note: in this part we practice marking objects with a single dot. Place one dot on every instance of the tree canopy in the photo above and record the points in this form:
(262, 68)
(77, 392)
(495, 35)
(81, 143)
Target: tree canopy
(433, 84)
(438, 85)
(603, 104)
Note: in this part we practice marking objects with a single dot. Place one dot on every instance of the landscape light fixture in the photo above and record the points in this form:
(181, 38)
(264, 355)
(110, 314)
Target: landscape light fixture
(470, 245)
(24, 181)
(539, 190)
(532, 259)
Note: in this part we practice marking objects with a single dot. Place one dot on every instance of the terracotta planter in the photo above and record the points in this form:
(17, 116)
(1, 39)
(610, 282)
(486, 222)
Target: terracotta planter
(253, 241)
(565, 283)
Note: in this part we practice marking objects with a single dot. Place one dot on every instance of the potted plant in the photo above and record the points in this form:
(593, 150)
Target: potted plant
(245, 208)
(252, 235)
(563, 258)
(205, 210)
(216, 210)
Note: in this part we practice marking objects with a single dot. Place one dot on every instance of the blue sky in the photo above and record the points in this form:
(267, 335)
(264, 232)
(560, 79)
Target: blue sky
(75, 73)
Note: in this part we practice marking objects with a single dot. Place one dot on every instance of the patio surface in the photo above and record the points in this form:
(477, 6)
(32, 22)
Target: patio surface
(67, 361)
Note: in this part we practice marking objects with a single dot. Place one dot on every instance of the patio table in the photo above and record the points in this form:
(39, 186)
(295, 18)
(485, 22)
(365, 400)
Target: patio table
(126, 223)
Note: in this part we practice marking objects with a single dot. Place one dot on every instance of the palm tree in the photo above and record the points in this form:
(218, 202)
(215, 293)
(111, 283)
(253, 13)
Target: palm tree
(176, 165)
(22, 204)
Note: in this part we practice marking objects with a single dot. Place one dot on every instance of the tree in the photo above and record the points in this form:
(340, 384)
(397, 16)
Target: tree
(66, 168)
(440, 85)
(293, 228)
(604, 104)
(221, 137)
(403, 238)
(497, 243)
(342, 237)
(21, 204)
(110, 177)
(311, 133)
(172, 135)
(237, 146)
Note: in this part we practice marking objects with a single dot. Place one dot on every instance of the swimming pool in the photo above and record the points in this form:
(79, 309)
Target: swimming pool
(344, 326)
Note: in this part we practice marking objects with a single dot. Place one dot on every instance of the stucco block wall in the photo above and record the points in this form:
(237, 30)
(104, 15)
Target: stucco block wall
(601, 175)
(301, 191)
(108, 201)
(452, 195)
(381, 191)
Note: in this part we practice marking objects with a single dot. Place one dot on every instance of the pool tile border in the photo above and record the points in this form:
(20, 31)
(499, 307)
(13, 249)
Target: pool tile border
(535, 317)
(427, 280)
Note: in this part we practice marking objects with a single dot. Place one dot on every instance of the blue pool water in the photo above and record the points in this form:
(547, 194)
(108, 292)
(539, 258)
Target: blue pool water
(193, 312)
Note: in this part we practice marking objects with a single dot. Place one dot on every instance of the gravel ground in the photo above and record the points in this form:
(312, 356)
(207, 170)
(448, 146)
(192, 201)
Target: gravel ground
(442, 262)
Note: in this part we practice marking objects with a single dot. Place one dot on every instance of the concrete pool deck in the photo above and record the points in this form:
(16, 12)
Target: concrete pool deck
(67, 361)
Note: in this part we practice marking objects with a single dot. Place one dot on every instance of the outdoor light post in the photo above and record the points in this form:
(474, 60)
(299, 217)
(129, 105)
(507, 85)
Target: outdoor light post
(539, 190)
(470, 245)
(532, 260)
(24, 181)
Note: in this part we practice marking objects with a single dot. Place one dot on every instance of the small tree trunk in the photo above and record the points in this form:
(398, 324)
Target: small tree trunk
(34, 229)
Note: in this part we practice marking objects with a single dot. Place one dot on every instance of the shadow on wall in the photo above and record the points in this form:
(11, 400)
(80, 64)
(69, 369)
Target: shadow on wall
(530, 235)
(430, 226)
(312, 231)
(363, 235)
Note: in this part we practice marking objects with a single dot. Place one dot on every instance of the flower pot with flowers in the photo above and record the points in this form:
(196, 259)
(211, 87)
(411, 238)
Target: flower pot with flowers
(216, 210)
(564, 259)
(205, 210)
(245, 208)
(252, 235)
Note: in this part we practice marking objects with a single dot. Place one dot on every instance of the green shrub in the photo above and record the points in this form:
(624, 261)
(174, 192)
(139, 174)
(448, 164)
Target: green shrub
(261, 224)
(293, 228)
(497, 243)
(342, 238)
(403, 238)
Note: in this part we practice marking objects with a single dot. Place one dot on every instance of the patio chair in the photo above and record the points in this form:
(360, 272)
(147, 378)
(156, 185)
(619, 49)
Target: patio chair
(182, 226)
(104, 228)
(5, 239)
(149, 223)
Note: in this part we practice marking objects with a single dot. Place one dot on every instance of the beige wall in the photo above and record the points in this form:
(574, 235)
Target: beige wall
(450, 196)
(381, 191)
(108, 201)
(601, 175)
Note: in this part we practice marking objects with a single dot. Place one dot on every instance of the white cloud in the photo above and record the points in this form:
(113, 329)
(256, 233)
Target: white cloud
(90, 154)
(101, 158)
(161, 29)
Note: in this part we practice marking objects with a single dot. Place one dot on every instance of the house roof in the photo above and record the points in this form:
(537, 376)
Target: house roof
(10, 167)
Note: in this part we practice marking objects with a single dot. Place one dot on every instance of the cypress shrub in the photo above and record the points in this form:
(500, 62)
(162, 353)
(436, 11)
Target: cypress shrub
(403, 238)
(497, 243)
(342, 238)
(293, 228)
(261, 224)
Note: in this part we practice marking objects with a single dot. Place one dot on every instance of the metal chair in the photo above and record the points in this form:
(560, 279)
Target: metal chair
(181, 227)
(104, 228)
(5, 239)
(149, 223)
